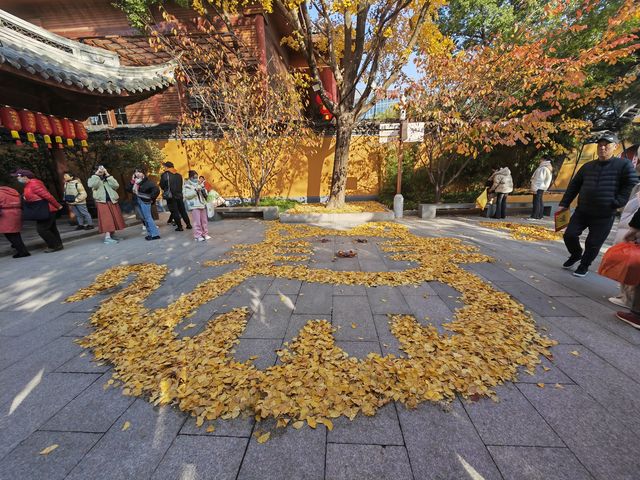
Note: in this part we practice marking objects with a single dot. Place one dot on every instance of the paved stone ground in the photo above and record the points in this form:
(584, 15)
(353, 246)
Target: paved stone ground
(51, 391)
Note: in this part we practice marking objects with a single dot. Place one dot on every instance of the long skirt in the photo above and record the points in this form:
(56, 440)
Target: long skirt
(109, 217)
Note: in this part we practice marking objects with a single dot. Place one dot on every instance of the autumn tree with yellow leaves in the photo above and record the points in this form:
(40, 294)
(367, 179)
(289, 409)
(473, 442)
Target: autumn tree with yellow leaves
(365, 44)
(527, 89)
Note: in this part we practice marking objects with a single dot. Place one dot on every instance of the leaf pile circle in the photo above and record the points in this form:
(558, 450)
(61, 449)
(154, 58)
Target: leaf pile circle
(315, 381)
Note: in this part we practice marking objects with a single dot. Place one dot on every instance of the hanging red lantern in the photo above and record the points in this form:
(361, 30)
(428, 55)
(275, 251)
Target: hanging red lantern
(28, 120)
(43, 127)
(324, 111)
(11, 121)
(58, 131)
(81, 134)
(69, 131)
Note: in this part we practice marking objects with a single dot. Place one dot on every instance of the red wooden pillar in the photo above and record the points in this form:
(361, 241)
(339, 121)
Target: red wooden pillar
(261, 41)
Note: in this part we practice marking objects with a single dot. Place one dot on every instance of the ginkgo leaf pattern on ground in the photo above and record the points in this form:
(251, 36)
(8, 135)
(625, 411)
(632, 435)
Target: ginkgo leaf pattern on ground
(490, 337)
(529, 233)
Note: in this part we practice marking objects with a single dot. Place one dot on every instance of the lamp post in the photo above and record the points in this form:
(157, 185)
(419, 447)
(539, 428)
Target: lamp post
(398, 199)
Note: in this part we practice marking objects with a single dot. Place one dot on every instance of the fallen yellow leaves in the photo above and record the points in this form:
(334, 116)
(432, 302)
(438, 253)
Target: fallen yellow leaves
(315, 381)
(49, 449)
(529, 233)
(351, 207)
(126, 426)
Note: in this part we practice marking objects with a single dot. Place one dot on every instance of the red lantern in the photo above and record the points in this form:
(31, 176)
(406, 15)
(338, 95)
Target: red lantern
(324, 111)
(28, 120)
(43, 127)
(58, 131)
(81, 134)
(11, 121)
(69, 131)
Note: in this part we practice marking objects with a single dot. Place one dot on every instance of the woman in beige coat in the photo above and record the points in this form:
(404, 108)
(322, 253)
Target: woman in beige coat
(76, 197)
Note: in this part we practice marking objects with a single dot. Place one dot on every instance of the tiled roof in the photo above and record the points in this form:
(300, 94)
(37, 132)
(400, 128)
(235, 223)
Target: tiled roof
(29, 48)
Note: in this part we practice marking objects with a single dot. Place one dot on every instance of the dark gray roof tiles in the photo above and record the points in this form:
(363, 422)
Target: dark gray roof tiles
(70, 70)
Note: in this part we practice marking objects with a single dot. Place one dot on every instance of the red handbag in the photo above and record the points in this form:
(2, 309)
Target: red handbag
(622, 263)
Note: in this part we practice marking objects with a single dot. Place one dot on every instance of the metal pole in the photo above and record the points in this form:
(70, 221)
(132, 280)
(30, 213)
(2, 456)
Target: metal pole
(399, 173)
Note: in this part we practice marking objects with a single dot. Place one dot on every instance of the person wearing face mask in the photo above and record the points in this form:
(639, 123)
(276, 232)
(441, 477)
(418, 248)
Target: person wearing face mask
(195, 195)
(105, 194)
(76, 197)
(34, 190)
(11, 220)
(145, 192)
(602, 186)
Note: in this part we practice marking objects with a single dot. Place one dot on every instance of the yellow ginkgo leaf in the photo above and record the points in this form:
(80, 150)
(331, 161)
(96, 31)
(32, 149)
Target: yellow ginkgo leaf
(575, 353)
(211, 429)
(541, 385)
(354, 325)
(126, 426)
(264, 437)
(49, 449)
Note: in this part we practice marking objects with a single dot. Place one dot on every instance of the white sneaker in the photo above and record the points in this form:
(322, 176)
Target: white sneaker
(200, 239)
(207, 237)
(144, 229)
(618, 301)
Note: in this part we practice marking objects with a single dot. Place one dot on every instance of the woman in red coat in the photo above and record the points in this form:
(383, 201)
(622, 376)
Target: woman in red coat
(11, 220)
(35, 190)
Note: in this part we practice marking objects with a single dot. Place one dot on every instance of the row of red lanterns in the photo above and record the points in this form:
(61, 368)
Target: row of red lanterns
(31, 123)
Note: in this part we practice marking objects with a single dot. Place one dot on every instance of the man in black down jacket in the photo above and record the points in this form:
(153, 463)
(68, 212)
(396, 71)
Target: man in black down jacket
(602, 186)
(171, 184)
(633, 317)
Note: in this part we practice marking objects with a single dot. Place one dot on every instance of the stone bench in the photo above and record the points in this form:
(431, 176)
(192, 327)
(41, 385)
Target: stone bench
(268, 213)
(429, 210)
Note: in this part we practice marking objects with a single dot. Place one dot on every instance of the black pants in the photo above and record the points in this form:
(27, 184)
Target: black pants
(15, 239)
(176, 207)
(538, 205)
(48, 230)
(501, 205)
(599, 228)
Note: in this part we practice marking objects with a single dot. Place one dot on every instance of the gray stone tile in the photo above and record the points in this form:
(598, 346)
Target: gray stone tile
(603, 316)
(14, 378)
(298, 321)
(544, 284)
(359, 349)
(546, 372)
(383, 428)
(289, 453)
(263, 349)
(94, 410)
(606, 384)
(387, 300)
(271, 319)
(430, 310)
(284, 286)
(372, 266)
(444, 445)
(84, 363)
(350, 312)
(201, 457)
(537, 301)
(605, 446)
(349, 290)
(237, 427)
(551, 327)
(493, 272)
(135, 452)
(315, 298)
(366, 462)
(450, 296)
(421, 290)
(537, 463)
(257, 286)
(510, 421)
(28, 411)
(25, 461)
(604, 343)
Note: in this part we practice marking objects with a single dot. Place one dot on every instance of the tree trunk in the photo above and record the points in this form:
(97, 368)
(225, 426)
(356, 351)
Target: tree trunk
(438, 191)
(340, 162)
(255, 198)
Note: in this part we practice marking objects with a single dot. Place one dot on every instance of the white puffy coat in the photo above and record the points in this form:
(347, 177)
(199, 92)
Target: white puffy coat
(541, 178)
(195, 195)
(502, 181)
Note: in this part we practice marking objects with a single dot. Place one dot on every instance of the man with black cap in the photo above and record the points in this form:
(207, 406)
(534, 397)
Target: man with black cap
(602, 186)
(171, 184)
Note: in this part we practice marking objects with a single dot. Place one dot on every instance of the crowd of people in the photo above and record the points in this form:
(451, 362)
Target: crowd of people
(37, 204)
